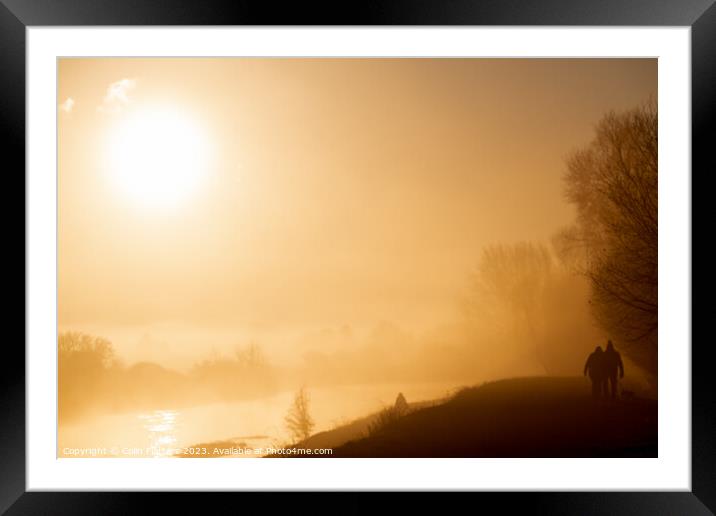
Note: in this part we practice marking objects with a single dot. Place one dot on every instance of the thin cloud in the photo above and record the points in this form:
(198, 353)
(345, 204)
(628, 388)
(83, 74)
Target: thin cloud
(67, 105)
(117, 96)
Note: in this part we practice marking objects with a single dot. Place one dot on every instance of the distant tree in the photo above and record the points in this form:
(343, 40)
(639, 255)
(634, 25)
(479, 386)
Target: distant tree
(83, 364)
(507, 290)
(298, 420)
(613, 182)
(250, 357)
(92, 350)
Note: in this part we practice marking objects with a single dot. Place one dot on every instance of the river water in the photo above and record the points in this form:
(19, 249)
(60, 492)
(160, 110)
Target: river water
(249, 424)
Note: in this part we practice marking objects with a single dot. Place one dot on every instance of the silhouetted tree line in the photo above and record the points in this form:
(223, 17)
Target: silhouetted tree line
(92, 380)
(246, 372)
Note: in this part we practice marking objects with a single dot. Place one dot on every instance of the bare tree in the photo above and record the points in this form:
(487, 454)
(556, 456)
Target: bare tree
(507, 290)
(298, 420)
(250, 357)
(613, 183)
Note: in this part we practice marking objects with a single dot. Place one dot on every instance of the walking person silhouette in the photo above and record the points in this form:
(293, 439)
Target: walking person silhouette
(612, 364)
(595, 368)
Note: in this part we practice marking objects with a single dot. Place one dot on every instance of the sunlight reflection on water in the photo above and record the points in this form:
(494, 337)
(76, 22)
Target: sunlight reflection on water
(161, 428)
(255, 423)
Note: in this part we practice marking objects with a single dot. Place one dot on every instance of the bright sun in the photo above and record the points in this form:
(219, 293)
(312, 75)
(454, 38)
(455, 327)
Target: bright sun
(157, 156)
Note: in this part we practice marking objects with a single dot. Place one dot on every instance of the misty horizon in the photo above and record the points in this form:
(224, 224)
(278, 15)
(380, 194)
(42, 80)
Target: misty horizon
(396, 178)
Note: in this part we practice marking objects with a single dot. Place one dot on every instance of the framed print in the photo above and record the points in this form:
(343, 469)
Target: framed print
(435, 250)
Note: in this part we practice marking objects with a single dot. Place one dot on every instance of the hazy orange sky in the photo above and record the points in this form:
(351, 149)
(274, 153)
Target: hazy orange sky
(335, 191)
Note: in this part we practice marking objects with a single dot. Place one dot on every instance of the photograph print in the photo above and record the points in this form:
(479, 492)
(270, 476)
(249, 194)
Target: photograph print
(357, 257)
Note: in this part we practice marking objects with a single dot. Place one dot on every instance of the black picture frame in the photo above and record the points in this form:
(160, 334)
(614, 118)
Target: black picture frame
(16, 15)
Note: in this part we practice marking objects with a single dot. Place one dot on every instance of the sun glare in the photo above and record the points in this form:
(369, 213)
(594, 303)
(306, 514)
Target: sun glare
(157, 157)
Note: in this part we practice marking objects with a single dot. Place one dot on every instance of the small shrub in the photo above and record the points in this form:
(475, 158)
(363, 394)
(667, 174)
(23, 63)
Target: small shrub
(385, 418)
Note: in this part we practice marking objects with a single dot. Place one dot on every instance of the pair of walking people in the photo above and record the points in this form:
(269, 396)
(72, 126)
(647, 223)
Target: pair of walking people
(603, 367)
